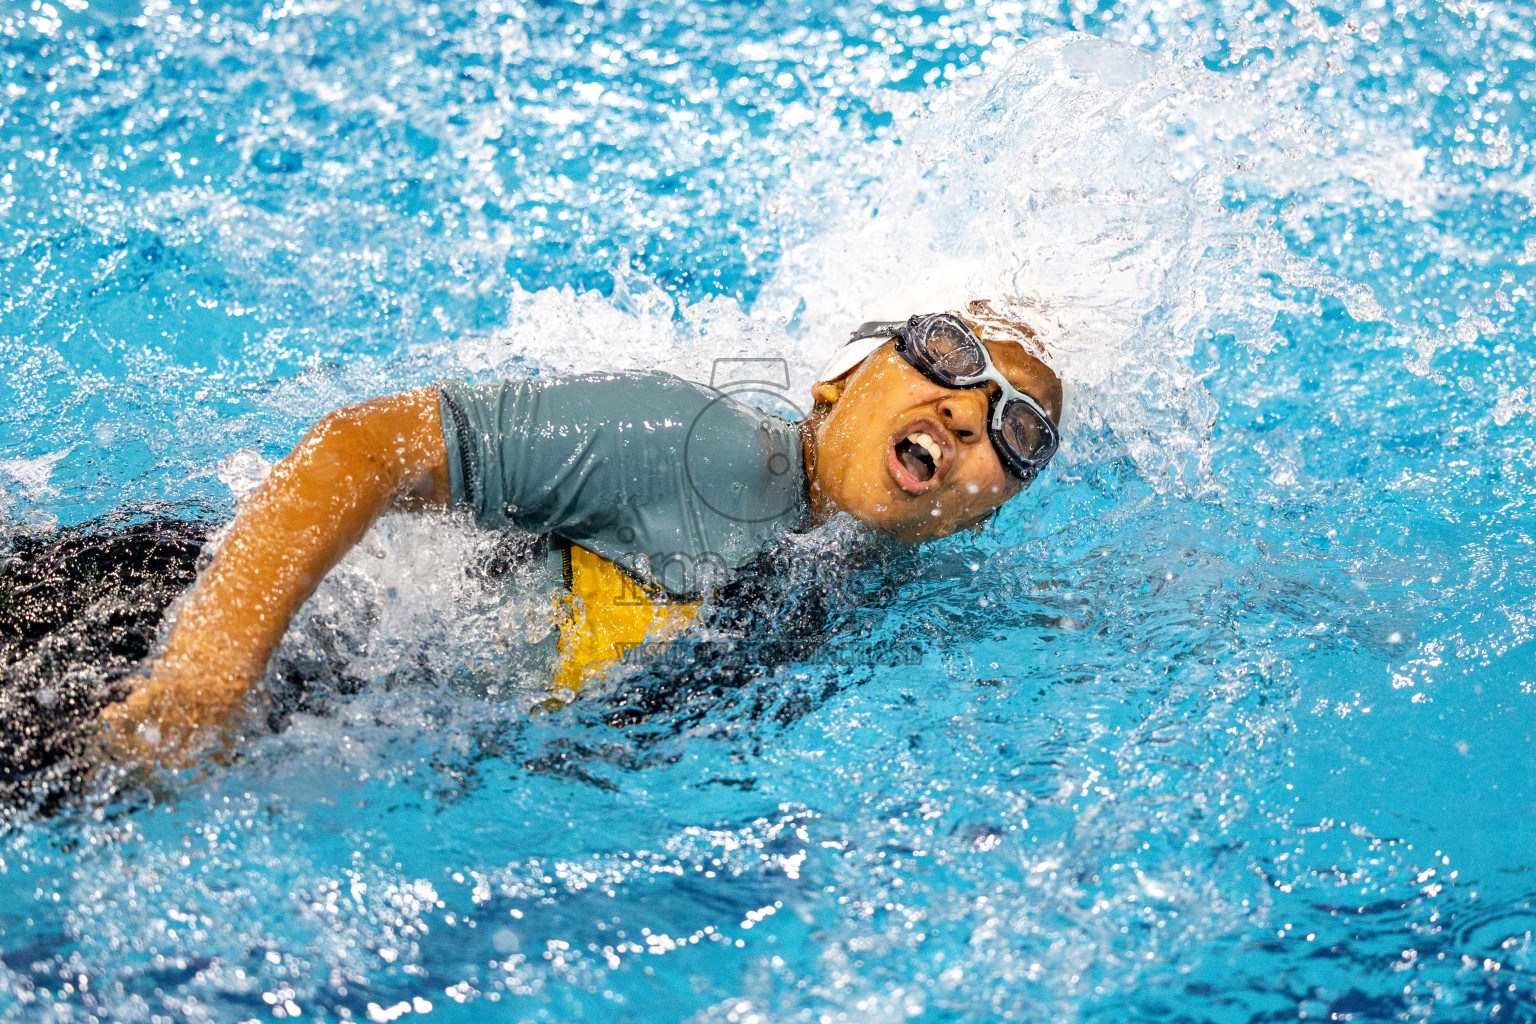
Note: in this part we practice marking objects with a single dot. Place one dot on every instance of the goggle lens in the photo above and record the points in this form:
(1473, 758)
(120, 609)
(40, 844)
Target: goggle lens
(952, 351)
(1022, 431)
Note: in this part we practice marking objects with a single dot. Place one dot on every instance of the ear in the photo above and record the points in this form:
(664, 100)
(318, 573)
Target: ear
(827, 392)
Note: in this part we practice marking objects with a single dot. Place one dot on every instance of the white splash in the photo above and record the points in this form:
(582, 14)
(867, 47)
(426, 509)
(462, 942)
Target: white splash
(243, 471)
(1087, 180)
(33, 475)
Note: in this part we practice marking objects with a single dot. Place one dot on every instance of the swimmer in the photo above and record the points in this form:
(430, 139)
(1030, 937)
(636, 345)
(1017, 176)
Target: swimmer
(648, 490)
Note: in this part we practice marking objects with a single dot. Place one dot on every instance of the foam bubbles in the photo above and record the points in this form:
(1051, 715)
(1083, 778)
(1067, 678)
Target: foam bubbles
(1094, 182)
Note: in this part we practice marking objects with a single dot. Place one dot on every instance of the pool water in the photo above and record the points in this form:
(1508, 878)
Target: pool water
(1229, 717)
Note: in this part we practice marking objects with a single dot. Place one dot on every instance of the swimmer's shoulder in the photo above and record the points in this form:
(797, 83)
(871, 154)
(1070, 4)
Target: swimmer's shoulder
(653, 402)
(658, 382)
(656, 395)
(661, 384)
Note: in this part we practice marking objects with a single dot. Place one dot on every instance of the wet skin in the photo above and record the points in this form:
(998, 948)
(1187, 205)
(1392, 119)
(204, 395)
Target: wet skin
(389, 453)
(855, 447)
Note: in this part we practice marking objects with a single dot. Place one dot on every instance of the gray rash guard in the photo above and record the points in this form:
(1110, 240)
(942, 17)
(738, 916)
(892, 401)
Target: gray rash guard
(676, 482)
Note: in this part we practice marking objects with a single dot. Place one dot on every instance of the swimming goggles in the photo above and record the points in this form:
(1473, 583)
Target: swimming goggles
(943, 348)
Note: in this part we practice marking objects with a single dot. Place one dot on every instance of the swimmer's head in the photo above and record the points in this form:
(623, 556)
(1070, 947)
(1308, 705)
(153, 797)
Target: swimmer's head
(911, 457)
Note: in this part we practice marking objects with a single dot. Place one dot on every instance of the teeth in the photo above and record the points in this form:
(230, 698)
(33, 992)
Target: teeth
(929, 445)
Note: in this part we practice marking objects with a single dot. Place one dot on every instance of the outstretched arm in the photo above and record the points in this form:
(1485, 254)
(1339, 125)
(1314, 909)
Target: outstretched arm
(318, 502)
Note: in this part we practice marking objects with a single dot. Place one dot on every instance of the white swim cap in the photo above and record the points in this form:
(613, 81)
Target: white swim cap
(1000, 328)
(850, 355)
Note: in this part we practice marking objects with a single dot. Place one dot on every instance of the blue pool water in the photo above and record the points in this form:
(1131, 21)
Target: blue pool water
(1229, 718)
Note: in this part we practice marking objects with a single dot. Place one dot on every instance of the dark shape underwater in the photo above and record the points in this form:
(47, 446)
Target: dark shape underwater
(79, 609)
(82, 607)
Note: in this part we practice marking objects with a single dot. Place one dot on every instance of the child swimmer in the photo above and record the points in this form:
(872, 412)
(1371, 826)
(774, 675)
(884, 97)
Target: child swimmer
(649, 489)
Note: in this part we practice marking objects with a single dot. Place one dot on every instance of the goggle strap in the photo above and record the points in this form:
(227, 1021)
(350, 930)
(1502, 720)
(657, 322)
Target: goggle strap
(877, 329)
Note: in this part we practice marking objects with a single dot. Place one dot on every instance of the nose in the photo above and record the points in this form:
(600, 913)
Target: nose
(965, 414)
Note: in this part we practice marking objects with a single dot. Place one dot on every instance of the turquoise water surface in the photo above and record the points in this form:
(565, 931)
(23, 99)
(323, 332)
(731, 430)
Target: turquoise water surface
(1228, 718)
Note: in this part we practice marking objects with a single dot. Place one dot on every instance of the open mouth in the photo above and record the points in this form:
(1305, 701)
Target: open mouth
(917, 458)
(920, 454)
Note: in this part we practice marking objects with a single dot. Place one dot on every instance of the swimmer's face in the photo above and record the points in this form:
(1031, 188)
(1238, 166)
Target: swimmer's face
(865, 465)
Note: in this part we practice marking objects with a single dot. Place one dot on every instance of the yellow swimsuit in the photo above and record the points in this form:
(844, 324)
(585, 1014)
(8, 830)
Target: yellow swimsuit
(608, 614)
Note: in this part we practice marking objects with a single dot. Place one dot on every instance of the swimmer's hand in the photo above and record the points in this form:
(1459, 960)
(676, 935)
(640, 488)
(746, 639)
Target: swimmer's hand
(318, 502)
(175, 718)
